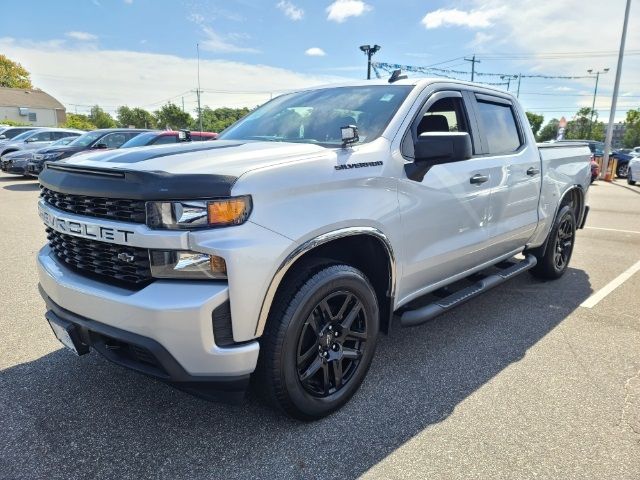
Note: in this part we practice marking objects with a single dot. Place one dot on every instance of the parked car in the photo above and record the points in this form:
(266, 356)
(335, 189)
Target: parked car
(16, 162)
(623, 159)
(36, 139)
(283, 248)
(168, 136)
(103, 139)
(633, 175)
(10, 132)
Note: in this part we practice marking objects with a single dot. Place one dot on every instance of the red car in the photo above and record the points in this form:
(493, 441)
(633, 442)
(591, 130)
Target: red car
(168, 136)
(595, 169)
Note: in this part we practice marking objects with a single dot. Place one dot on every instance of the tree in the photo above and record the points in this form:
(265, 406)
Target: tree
(580, 128)
(136, 117)
(219, 119)
(632, 133)
(535, 121)
(13, 75)
(100, 118)
(171, 116)
(549, 131)
(81, 122)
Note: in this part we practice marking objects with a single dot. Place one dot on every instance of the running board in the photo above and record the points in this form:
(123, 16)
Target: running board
(421, 315)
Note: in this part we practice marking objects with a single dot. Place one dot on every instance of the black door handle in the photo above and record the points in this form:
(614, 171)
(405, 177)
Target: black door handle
(477, 179)
(533, 171)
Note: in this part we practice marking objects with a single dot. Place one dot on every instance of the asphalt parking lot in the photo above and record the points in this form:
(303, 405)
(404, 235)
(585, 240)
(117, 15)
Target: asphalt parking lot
(522, 382)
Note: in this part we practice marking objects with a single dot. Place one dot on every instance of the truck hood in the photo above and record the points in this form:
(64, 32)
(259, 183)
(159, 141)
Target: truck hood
(220, 157)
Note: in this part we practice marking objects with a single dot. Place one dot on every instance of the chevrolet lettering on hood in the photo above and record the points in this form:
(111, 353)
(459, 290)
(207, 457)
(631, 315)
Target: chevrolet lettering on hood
(84, 229)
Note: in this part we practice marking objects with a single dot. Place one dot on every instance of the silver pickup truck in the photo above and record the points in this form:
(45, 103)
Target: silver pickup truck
(279, 252)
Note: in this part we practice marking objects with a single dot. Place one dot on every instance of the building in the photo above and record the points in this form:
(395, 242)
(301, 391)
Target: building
(33, 107)
(617, 139)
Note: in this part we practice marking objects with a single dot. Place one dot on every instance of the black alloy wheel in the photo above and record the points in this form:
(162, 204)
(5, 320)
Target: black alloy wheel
(319, 340)
(564, 243)
(554, 257)
(331, 344)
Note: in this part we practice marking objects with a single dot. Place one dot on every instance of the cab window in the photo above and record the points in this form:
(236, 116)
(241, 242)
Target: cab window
(500, 127)
(165, 139)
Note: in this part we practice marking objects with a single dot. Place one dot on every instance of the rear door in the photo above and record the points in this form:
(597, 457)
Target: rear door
(444, 214)
(515, 171)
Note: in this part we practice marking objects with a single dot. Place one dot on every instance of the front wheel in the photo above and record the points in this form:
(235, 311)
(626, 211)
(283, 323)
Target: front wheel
(319, 341)
(630, 180)
(554, 261)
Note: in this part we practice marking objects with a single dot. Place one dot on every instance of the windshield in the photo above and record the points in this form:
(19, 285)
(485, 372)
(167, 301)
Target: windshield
(86, 139)
(316, 116)
(23, 136)
(140, 140)
(63, 141)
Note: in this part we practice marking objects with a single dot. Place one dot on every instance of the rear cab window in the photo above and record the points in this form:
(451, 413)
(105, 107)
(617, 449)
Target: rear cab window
(499, 125)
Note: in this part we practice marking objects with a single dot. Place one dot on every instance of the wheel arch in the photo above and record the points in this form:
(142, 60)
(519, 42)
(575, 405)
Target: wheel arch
(339, 245)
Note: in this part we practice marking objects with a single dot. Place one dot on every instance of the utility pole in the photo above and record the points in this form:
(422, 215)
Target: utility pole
(518, 92)
(595, 93)
(183, 104)
(473, 65)
(199, 109)
(616, 88)
(369, 51)
(508, 78)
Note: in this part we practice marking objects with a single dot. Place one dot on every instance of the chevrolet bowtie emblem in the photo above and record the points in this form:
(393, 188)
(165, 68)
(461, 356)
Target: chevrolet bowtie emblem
(126, 257)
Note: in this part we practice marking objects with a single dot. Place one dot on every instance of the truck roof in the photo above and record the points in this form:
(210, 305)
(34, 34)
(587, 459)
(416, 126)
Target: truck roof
(419, 81)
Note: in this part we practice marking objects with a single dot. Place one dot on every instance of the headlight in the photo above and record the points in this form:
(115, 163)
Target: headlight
(193, 214)
(51, 156)
(187, 265)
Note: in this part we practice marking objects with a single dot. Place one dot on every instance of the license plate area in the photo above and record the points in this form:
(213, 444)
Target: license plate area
(67, 333)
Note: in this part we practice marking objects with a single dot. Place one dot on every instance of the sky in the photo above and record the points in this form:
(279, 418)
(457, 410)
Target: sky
(143, 52)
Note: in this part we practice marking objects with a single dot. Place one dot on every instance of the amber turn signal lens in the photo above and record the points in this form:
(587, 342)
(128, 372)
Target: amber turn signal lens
(233, 211)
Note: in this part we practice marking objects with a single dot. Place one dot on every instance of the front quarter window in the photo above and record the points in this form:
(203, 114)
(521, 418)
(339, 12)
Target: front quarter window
(316, 116)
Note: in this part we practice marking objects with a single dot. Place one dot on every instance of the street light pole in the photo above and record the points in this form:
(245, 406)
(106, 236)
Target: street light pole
(199, 109)
(369, 51)
(616, 88)
(595, 93)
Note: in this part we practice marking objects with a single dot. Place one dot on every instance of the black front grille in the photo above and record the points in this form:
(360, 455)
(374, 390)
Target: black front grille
(101, 258)
(111, 208)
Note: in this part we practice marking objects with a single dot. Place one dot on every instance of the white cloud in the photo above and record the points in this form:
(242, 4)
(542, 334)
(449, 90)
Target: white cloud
(85, 76)
(128, 2)
(340, 10)
(315, 52)
(82, 36)
(444, 17)
(215, 42)
(290, 10)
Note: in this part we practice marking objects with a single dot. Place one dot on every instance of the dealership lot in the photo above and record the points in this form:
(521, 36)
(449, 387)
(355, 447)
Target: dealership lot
(522, 382)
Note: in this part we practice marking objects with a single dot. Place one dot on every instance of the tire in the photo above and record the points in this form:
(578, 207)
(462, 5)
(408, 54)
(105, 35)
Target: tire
(553, 262)
(322, 328)
(622, 171)
(630, 181)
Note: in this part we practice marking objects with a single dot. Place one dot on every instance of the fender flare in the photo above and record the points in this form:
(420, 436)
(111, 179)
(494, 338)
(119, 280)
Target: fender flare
(310, 245)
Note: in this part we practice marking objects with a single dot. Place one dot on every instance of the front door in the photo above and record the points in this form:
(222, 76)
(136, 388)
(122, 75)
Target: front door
(444, 214)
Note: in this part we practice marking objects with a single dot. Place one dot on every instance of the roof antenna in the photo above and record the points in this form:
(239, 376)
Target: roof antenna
(397, 75)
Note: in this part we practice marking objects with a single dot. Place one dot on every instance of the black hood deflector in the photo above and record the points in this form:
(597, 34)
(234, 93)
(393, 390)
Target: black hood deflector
(134, 185)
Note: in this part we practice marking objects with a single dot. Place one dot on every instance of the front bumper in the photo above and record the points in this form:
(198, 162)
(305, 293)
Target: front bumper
(175, 316)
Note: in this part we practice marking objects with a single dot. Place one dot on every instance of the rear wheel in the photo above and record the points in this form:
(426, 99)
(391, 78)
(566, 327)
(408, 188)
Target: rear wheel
(622, 170)
(630, 180)
(319, 342)
(554, 261)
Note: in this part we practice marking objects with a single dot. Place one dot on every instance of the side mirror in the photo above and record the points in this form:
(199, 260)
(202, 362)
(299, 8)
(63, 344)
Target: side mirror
(101, 146)
(349, 135)
(3, 137)
(443, 147)
(433, 148)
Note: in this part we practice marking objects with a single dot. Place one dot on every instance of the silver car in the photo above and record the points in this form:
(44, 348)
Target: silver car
(36, 138)
(16, 162)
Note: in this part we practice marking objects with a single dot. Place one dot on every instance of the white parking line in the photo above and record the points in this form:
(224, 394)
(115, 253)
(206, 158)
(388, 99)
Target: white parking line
(593, 300)
(613, 230)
